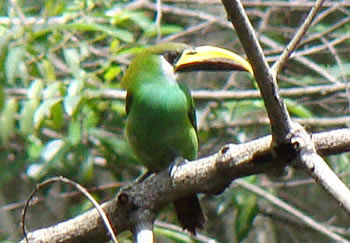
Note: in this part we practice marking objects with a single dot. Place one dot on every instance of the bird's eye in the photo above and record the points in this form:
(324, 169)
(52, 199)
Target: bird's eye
(171, 56)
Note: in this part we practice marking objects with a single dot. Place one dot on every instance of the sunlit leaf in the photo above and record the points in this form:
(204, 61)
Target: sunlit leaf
(52, 148)
(115, 45)
(71, 104)
(26, 122)
(53, 7)
(14, 57)
(35, 89)
(44, 110)
(49, 70)
(36, 171)
(53, 90)
(23, 72)
(72, 58)
(75, 87)
(112, 73)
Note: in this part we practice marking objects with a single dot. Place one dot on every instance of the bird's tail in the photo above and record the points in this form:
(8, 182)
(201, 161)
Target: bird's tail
(189, 213)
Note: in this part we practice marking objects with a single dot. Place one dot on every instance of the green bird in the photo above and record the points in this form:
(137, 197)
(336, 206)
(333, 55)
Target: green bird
(161, 125)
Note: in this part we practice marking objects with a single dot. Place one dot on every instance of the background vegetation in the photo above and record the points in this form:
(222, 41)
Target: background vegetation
(62, 112)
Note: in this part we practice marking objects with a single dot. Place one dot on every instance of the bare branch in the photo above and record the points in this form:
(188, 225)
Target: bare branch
(277, 112)
(213, 94)
(319, 170)
(209, 175)
(293, 211)
(297, 38)
(82, 190)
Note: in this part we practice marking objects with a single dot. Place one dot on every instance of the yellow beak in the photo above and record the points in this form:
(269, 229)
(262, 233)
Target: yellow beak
(211, 58)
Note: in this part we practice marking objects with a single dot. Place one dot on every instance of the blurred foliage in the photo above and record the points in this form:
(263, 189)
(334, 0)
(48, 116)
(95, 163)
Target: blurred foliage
(59, 58)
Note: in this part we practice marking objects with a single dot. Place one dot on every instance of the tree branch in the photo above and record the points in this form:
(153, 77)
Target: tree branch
(211, 174)
(298, 214)
(281, 124)
(297, 38)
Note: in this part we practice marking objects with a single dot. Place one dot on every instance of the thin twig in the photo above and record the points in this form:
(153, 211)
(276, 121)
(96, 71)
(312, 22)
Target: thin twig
(78, 187)
(158, 19)
(278, 202)
(19, 12)
(303, 60)
(212, 94)
(276, 68)
(324, 176)
(37, 200)
(312, 122)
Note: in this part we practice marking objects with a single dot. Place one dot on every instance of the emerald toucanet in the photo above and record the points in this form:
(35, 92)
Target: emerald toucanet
(161, 125)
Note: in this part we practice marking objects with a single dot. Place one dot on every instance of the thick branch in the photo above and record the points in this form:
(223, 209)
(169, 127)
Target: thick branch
(209, 175)
(276, 110)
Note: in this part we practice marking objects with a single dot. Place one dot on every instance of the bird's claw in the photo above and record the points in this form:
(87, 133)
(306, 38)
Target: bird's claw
(175, 164)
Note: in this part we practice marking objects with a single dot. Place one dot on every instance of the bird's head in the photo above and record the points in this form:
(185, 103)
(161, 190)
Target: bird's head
(169, 58)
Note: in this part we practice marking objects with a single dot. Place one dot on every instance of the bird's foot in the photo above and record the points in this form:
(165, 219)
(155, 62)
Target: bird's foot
(175, 164)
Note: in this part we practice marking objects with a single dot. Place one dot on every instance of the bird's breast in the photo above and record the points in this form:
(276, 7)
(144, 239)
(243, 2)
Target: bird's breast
(158, 127)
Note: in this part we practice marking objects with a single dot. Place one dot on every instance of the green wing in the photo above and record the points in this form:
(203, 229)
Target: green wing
(191, 111)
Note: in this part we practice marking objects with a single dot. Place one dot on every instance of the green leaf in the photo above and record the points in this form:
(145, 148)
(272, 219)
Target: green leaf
(75, 87)
(44, 110)
(74, 131)
(112, 73)
(4, 46)
(26, 123)
(53, 90)
(164, 30)
(297, 109)
(23, 72)
(54, 8)
(119, 146)
(72, 58)
(49, 70)
(121, 34)
(14, 57)
(86, 172)
(35, 89)
(115, 45)
(51, 149)
(73, 99)
(57, 116)
(35, 147)
(71, 104)
(174, 235)
(138, 18)
(246, 205)
(7, 121)
(91, 117)
(36, 171)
